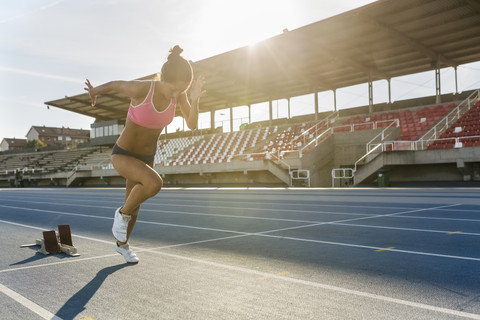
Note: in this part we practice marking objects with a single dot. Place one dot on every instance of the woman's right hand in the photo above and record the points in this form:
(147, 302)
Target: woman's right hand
(90, 90)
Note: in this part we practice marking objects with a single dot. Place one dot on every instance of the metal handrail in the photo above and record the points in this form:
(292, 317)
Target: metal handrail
(419, 145)
(365, 156)
(382, 134)
(452, 116)
(314, 129)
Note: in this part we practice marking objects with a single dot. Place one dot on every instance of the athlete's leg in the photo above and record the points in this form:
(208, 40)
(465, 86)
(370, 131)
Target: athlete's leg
(146, 181)
(129, 186)
(142, 183)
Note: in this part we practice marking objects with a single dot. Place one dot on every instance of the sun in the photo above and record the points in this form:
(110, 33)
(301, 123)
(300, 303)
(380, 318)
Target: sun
(235, 24)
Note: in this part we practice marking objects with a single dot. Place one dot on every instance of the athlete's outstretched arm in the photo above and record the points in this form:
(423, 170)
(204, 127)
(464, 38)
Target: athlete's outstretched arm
(133, 89)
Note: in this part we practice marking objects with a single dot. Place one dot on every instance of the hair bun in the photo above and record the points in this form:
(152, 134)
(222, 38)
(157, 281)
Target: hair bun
(175, 52)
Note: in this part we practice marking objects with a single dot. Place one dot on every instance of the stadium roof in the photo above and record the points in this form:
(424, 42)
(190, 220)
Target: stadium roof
(382, 40)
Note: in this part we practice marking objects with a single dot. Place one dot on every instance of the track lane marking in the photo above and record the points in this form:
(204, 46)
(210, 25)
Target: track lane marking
(162, 201)
(384, 249)
(325, 286)
(269, 219)
(405, 229)
(283, 220)
(32, 306)
(267, 234)
(197, 213)
(165, 201)
(454, 232)
(293, 280)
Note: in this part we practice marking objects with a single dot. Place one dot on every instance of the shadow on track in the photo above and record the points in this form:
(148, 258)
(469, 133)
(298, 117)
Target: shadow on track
(76, 304)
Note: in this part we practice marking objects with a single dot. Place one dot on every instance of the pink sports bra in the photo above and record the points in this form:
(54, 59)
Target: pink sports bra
(146, 115)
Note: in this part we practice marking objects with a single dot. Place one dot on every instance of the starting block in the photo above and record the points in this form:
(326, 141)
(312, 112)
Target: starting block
(53, 243)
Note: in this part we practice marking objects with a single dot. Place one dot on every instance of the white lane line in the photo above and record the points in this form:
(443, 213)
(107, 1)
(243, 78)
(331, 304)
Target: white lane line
(356, 219)
(198, 213)
(402, 229)
(267, 233)
(43, 229)
(275, 219)
(284, 220)
(110, 218)
(352, 245)
(32, 306)
(232, 231)
(270, 275)
(137, 249)
(439, 218)
(279, 219)
(208, 214)
(164, 201)
(325, 286)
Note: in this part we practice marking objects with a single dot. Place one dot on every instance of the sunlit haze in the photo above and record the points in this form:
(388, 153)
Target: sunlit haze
(48, 48)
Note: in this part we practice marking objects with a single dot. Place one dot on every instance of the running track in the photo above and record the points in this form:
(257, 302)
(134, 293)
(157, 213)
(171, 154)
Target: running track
(246, 254)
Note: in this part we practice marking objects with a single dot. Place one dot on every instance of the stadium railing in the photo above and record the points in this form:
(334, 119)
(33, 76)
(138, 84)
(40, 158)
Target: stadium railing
(374, 149)
(434, 133)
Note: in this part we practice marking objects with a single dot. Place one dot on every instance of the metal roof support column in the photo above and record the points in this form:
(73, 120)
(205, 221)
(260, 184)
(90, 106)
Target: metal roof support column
(289, 117)
(249, 113)
(231, 119)
(335, 100)
(437, 85)
(212, 119)
(456, 80)
(389, 92)
(316, 105)
(270, 110)
(370, 94)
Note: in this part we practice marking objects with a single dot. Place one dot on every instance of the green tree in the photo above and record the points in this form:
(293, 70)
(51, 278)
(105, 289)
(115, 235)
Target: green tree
(35, 144)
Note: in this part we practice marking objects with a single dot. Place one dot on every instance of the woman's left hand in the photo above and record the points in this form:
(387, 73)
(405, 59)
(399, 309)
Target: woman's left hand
(196, 90)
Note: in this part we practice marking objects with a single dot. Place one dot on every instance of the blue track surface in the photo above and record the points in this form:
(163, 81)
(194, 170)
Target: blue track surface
(246, 254)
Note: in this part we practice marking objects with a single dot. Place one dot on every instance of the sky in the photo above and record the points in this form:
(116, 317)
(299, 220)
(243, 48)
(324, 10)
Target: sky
(48, 48)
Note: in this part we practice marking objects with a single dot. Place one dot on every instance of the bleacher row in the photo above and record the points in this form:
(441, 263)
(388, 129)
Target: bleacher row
(465, 132)
(223, 147)
(254, 144)
(47, 161)
(413, 122)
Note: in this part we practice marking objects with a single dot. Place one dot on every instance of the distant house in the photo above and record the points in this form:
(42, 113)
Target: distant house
(58, 136)
(12, 144)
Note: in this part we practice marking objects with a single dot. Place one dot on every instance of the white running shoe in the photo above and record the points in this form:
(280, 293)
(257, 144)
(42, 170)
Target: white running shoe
(128, 254)
(120, 224)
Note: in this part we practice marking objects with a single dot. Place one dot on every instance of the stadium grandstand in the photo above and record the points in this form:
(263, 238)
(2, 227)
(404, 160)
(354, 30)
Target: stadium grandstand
(434, 139)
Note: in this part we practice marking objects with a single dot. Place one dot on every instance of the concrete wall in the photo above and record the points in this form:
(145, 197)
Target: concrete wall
(320, 161)
(425, 172)
(449, 165)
